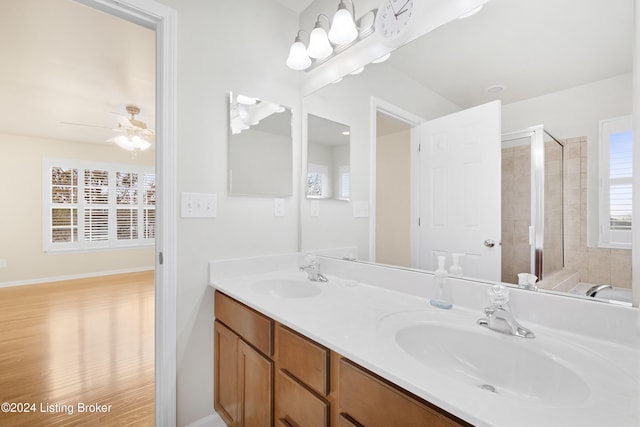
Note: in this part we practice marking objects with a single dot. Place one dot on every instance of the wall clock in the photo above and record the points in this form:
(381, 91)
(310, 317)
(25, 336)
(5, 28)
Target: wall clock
(394, 21)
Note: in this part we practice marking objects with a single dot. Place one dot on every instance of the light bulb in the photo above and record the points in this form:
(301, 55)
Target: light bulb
(343, 28)
(298, 58)
(319, 46)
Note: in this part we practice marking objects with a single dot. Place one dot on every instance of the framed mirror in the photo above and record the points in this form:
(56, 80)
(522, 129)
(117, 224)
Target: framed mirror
(559, 67)
(260, 148)
(328, 167)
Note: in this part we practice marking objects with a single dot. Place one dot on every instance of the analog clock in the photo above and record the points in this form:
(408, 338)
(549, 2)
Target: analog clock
(395, 19)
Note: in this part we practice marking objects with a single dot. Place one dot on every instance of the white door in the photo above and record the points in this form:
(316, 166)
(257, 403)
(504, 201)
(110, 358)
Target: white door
(459, 196)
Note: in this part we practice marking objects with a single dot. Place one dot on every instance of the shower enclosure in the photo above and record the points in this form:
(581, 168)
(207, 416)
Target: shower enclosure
(532, 204)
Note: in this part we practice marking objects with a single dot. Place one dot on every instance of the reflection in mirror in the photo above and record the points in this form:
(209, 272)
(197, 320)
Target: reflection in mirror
(566, 65)
(260, 147)
(328, 170)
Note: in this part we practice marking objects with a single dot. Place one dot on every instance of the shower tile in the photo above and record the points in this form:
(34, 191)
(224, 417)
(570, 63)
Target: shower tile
(599, 265)
(573, 166)
(621, 271)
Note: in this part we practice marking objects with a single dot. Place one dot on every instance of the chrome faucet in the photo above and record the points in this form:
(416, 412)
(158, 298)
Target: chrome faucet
(313, 271)
(499, 317)
(593, 291)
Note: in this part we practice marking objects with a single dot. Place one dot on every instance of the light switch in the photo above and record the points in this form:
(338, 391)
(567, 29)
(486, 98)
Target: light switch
(3, 263)
(278, 207)
(199, 205)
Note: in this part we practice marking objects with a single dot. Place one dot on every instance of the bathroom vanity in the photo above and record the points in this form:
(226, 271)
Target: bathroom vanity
(268, 374)
(367, 349)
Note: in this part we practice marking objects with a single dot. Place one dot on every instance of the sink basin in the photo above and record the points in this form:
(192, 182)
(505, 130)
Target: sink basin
(501, 364)
(286, 288)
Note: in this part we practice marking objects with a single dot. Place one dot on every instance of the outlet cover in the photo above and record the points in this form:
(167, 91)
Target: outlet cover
(278, 207)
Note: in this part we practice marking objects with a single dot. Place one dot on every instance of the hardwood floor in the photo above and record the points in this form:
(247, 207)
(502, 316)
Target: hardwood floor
(65, 346)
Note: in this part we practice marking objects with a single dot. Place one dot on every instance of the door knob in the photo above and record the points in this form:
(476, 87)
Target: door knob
(489, 243)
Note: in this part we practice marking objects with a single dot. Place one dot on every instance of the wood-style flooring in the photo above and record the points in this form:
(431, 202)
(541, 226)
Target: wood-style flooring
(78, 352)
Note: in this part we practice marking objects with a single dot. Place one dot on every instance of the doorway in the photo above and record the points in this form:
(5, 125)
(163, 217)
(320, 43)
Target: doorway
(162, 20)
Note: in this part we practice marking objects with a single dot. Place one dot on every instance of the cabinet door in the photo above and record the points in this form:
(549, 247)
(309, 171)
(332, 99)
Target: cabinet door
(225, 393)
(255, 376)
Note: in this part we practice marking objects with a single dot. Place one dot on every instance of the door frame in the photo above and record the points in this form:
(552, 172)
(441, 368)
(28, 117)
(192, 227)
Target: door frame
(162, 19)
(382, 106)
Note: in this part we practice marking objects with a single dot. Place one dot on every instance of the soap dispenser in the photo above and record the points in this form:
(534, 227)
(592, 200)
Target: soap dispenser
(441, 297)
(456, 268)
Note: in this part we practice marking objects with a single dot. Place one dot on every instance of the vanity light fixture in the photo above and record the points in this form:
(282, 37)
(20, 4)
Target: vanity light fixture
(319, 45)
(344, 31)
(298, 57)
(357, 71)
(343, 28)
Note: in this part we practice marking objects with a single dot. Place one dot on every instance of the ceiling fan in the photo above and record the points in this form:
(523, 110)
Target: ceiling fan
(133, 134)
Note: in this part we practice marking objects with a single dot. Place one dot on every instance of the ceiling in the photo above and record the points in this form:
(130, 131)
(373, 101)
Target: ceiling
(296, 5)
(71, 63)
(533, 47)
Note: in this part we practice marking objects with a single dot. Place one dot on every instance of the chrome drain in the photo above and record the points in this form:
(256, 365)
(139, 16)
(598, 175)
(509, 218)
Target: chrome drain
(488, 387)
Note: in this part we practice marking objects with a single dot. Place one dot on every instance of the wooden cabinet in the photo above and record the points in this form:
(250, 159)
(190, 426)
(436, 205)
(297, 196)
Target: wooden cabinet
(269, 375)
(302, 380)
(297, 405)
(255, 377)
(373, 402)
(243, 385)
(225, 392)
(304, 359)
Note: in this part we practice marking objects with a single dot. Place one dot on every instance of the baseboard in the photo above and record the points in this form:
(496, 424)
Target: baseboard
(73, 277)
(212, 420)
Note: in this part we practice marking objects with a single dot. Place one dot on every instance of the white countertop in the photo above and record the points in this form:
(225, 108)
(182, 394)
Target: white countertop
(359, 321)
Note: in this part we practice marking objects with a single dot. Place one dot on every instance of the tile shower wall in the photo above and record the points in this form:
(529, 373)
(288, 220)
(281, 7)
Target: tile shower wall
(516, 212)
(595, 265)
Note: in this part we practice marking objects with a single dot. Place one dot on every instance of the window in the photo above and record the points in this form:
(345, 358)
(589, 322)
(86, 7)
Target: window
(616, 144)
(318, 181)
(97, 205)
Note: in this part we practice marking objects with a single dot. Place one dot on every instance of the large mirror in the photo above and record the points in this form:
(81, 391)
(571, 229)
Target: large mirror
(260, 147)
(560, 68)
(328, 171)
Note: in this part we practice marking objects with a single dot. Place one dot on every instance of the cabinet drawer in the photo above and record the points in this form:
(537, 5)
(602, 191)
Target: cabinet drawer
(345, 421)
(304, 359)
(297, 406)
(252, 326)
(373, 402)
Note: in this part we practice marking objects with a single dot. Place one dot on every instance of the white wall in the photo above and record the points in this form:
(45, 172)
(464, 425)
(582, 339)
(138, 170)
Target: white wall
(223, 46)
(21, 215)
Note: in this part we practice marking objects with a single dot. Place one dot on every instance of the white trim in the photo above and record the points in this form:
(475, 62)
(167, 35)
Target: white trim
(413, 120)
(164, 20)
(212, 420)
(608, 238)
(74, 277)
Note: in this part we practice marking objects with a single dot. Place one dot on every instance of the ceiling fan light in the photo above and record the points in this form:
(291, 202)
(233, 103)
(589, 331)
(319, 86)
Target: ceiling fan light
(343, 28)
(298, 58)
(130, 143)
